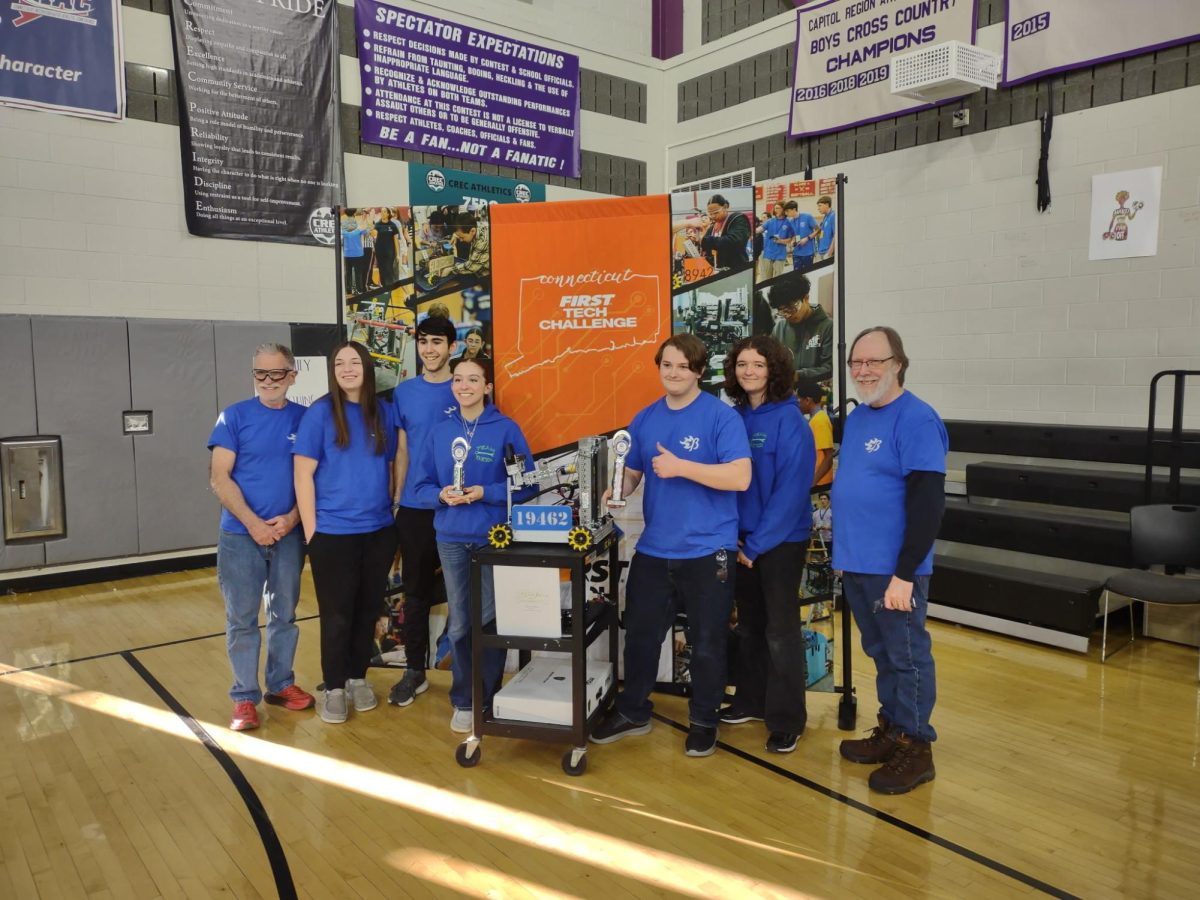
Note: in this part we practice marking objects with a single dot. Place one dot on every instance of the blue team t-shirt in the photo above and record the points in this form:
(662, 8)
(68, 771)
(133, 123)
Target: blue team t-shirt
(775, 228)
(802, 226)
(880, 447)
(686, 520)
(828, 232)
(351, 482)
(418, 405)
(262, 438)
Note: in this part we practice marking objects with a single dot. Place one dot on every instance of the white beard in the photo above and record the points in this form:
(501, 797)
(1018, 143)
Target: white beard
(885, 384)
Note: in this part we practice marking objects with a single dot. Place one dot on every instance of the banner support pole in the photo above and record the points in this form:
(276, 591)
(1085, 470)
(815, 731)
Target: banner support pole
(339, 266)
(848, 704)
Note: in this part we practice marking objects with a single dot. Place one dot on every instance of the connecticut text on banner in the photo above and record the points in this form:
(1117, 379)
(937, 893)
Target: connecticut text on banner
(437, 86)
(586, 288)
(1046, 36)
(843, 54)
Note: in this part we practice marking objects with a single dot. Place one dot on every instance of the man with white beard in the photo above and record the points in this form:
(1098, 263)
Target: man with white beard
(888, 498)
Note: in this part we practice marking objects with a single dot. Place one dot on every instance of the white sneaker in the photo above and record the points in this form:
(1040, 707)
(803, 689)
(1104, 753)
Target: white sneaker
(463, 721)
(333, 707)
(361, 694)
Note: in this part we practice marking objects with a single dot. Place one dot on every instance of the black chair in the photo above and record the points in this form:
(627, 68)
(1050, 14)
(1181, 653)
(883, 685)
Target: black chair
(1162, 534)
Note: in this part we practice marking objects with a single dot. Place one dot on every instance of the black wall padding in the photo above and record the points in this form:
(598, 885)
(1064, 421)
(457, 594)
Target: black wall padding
(1080, 442)
(1061, 535)
(1060, 602)
(1084, 488)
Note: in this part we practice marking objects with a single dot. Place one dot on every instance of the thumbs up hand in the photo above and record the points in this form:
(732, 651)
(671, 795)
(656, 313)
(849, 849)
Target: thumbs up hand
(667, 464)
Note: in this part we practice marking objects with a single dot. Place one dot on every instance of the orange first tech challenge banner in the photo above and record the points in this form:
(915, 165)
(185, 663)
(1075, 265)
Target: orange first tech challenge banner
(581, 300)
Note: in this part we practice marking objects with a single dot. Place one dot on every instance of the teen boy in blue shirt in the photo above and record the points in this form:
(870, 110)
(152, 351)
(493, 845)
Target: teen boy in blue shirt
(260, 551)
(888, 499)
(804, 243)
(419, 404)
(691, 451)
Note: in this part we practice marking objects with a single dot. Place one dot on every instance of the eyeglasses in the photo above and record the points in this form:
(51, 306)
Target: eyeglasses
(272, 374)
(857, 365)
(787, 309)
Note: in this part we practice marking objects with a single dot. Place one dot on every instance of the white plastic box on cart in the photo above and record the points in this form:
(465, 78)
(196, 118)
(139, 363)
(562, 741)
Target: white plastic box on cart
(541, 692)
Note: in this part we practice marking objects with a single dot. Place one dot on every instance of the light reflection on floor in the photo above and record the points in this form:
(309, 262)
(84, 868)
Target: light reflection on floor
(659, 869)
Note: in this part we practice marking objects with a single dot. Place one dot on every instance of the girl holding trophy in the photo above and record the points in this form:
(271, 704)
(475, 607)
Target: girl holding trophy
(464, 477)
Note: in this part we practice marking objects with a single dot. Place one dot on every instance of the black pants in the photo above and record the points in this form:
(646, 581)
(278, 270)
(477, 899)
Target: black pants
(357, 269)
(656, 591)
(350, 574)
(771, 672)
(418, 548)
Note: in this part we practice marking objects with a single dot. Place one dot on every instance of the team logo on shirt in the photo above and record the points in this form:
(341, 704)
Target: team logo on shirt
(450, 410)
(872, 445)
(813, 342)
(485, 453)
(690, 443)
(758, 440)
(292, 438)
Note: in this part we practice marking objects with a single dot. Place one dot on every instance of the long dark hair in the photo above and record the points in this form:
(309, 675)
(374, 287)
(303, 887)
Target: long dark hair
(366, 400)
(781, 369)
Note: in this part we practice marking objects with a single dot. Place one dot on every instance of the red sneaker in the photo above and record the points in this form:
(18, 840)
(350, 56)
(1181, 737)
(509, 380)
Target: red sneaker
(245, 716)
(291, 697)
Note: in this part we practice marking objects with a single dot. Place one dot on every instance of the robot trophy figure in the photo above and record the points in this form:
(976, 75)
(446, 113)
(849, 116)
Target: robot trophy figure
(621, 444)
(459, 448)
(579, 519)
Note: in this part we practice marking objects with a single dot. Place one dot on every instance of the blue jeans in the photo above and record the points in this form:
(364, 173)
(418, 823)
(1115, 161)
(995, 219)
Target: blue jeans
(656, 591)
(901, 648)
(456, 569)
(249, 575)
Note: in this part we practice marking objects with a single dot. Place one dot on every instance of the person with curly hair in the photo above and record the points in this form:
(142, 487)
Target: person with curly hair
(773, 526)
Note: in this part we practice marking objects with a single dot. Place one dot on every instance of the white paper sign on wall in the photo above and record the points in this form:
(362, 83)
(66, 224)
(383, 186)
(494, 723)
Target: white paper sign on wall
(1125, 213)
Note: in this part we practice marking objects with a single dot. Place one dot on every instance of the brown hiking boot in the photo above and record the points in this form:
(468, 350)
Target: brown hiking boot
(872, 750)
(910, 765)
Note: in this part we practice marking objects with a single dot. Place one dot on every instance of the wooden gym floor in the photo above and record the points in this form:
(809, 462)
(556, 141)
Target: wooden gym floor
(1056, 775)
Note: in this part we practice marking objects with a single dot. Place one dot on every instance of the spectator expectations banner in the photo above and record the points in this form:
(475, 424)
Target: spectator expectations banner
(258, 126)
(440, 87)
(1046, 36)
(843, 54)
(63, 56)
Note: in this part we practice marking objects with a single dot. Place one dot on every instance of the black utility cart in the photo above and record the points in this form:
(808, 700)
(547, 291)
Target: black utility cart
(585, 624)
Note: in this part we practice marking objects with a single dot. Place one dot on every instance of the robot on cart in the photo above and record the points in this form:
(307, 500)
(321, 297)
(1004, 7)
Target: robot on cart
(579, 519)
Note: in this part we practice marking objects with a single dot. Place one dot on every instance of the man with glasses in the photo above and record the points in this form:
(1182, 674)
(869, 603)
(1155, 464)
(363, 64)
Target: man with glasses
(803, 328)
(888, 500)
(260, 551)
(726, 242)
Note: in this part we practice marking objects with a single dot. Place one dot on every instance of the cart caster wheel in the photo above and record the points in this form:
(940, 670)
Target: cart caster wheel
(574, 762)
(468, 754)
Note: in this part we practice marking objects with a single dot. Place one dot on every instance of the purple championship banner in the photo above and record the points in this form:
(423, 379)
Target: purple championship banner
(1043, 37)
(844, 50)
(440, 87)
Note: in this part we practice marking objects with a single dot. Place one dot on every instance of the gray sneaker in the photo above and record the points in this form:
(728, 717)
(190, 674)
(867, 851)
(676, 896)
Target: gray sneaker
(463, 721)
(333, 707)
(405, 690)
(361, 694)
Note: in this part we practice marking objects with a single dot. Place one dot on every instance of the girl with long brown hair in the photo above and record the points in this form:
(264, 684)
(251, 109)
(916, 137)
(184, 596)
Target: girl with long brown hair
(343, 465)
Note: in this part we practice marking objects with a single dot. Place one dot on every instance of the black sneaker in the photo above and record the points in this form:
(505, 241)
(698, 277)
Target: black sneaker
(735, 715)
(615, 726)
(782, 742)
(701, 741)
(405, 690)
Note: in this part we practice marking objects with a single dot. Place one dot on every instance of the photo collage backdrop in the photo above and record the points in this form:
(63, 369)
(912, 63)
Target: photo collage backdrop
(403, 263)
